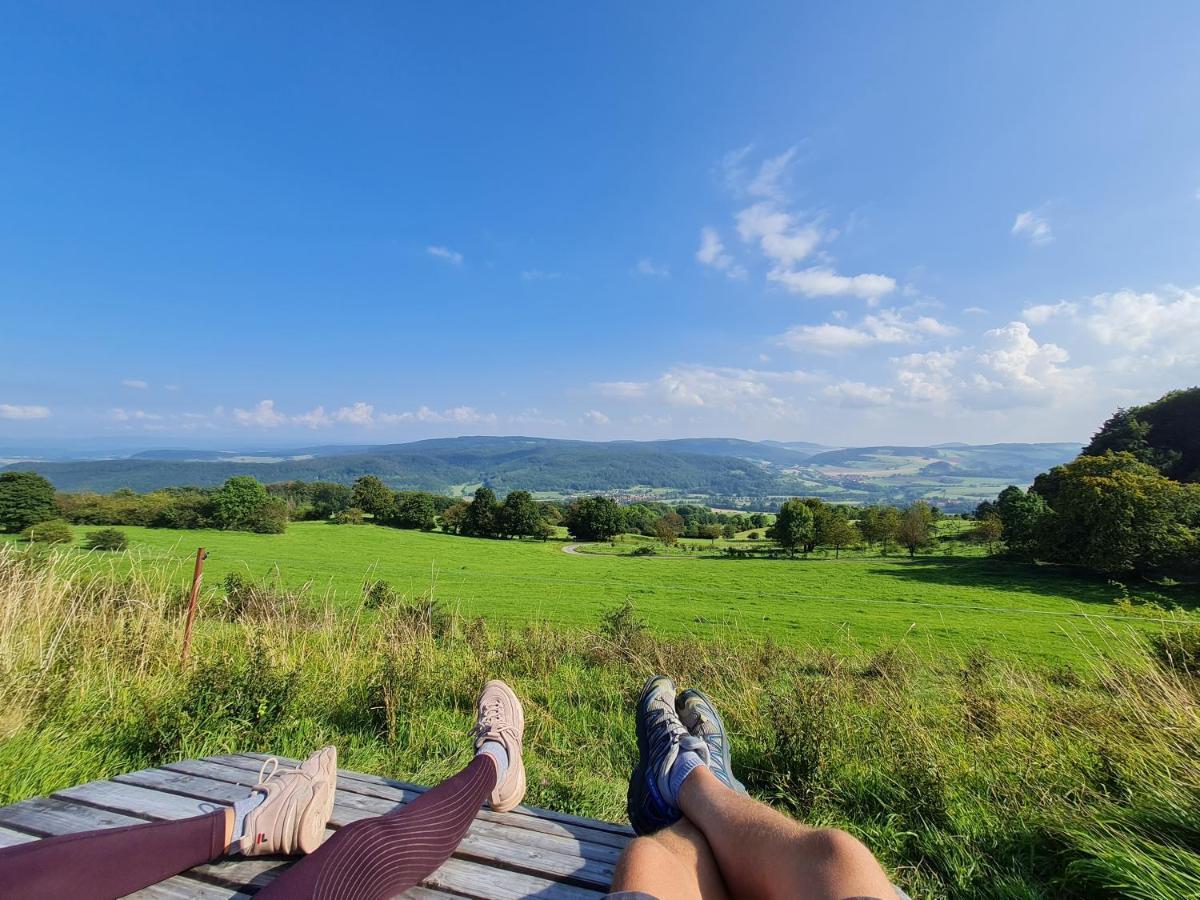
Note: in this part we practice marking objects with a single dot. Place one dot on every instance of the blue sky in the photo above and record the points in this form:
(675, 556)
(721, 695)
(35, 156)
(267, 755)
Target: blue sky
(277, 224)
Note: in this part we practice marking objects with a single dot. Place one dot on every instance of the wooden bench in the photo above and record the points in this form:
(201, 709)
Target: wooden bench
(524, 853)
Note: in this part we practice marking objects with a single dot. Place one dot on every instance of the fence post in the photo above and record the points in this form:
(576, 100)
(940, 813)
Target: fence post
(201, 556)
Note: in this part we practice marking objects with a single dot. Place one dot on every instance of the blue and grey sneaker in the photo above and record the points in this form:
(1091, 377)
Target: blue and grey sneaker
(661, 737)
(701, 719)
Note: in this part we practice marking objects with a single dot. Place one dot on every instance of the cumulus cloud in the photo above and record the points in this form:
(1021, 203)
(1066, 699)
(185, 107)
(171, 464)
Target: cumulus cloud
(886, 327)
(747, 393)
(12, 411)
(712, 253)
(263, 415)
(135, 383)
(1034, 227)
(451, 256)
(314, 418)
(595, 417)
(821, 281)
(780, 237)
(1167, 325)
(650, 269)
(1044, 312)
(857, 394)
(358, 414)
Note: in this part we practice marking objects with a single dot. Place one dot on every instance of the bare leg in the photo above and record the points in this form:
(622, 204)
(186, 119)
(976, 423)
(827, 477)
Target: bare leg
(673, 864)
(764, 854)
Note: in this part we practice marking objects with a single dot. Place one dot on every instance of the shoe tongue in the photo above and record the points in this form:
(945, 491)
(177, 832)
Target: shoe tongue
(695, 745)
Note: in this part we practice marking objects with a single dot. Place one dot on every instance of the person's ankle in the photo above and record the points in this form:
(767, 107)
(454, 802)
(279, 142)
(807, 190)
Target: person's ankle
(682, 769)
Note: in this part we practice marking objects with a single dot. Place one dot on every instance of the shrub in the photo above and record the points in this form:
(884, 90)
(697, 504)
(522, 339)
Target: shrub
(621, 624)
(642, 551)
(56, 531)
(106, 539)
(378, 594)
(351, 516)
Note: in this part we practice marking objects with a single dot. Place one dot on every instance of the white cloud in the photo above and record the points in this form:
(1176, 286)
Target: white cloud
(595, 417)
(10, 411)
(1044, 312)
(1165, 328)
(463, 415)
(451, 256)
(539, 275)
(975, 311)
(358, 414)
(771, 180)
(264, 415)
(889, 326)
(135, 383)
(649, 268)
(712, 254)
(314, 418)
(857, 394)
(747, 393)
(820, 281)
(780, 238)
(1034, 227)
(133, 415)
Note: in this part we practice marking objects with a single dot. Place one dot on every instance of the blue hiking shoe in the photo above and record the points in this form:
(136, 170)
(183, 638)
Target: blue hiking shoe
(661, 737)
(701, 719)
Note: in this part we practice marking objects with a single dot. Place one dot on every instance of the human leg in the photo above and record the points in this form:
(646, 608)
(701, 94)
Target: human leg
(386, 855)
(675, 863)
(763, 853)
(285, 812)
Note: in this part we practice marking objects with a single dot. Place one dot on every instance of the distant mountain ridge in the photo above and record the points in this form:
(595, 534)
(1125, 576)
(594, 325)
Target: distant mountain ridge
(695, 467)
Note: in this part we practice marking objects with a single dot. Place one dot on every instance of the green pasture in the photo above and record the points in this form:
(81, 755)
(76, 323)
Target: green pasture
(936, 604)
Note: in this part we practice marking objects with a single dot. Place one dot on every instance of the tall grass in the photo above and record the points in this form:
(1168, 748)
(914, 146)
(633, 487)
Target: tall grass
(971, 777)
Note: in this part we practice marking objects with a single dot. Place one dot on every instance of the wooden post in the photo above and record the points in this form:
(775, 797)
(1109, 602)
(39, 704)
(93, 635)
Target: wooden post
(191, 614)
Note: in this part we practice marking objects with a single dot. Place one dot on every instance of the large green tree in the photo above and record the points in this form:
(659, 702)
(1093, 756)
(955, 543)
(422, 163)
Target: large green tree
(594, 519)
(1164, 434)
(915, 531)
(373, 496)
(1023, 519)
(26, 498)
(236, 503)
(480, 519)
(1114, 513)
(413, 509)
(519, 515)
(794, 526)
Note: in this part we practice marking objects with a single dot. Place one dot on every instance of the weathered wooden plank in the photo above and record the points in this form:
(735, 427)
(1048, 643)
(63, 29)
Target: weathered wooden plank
(595, 831)
(183, 888)
(174, 778)
(44, 816)
(614, 827)
(484, 841)
(474, 880)
(10, 838)
(131, 799)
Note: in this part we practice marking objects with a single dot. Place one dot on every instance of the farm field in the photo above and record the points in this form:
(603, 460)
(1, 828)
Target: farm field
(935, 604)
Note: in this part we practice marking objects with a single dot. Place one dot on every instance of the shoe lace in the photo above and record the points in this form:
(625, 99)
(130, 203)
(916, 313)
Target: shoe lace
(276, 772)
(492, 721)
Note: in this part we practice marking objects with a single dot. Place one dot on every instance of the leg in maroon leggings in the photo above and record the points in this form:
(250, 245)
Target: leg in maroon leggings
(111, 862)
(384, 856)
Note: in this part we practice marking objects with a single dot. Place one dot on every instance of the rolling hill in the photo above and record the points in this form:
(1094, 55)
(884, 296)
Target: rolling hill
(956, 476)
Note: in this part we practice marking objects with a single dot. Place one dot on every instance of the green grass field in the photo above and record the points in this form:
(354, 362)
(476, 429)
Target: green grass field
(935, 604)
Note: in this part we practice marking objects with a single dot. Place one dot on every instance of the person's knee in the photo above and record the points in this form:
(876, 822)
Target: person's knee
(835, 848)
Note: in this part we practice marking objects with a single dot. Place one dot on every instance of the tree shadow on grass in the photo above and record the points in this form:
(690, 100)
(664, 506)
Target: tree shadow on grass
(1010, 575)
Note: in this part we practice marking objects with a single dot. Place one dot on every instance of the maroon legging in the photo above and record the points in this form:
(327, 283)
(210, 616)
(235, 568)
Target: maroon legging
(371, 858)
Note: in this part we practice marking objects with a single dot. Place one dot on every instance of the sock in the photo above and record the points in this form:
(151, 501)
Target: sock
(496, 751)
(240, 810)
(686, 763)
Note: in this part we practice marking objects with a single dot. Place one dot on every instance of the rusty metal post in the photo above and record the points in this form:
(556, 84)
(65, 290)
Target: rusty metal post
(191, 613)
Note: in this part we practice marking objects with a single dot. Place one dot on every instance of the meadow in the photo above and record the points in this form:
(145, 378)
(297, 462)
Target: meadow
(970, 774)
(935, 603)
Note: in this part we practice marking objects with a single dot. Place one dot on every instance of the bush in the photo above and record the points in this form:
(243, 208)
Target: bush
(351, 516)
(56, 531)
(106, 539)
(378, 594)
(642, 551)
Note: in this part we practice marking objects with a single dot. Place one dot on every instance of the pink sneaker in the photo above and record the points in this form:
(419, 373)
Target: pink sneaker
(501, 719)
(299, 803)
